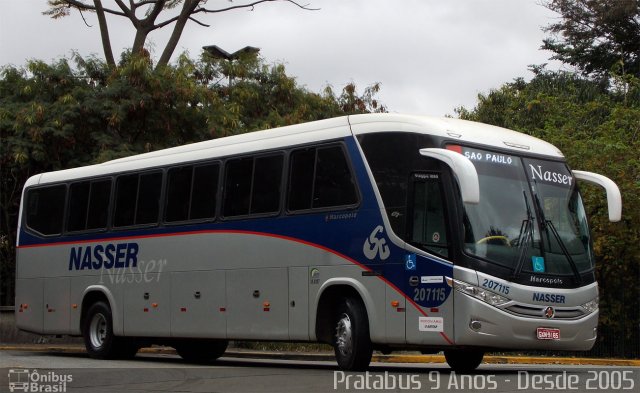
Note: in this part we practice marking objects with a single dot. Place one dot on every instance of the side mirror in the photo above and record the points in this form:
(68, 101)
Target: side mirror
(464, 170)
(614, 199)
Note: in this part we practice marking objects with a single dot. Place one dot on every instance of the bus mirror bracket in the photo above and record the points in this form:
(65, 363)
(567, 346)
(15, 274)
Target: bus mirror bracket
(464, 170)
(614, 199)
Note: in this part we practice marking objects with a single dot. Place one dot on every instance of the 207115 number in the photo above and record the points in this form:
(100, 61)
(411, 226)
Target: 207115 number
(496, 286)
(428, 294)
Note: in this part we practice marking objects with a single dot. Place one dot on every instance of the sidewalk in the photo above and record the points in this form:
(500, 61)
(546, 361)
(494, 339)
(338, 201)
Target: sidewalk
(328, 356)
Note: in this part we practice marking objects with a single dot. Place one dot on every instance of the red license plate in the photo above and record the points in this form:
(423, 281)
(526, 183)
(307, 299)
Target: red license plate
(548, 334)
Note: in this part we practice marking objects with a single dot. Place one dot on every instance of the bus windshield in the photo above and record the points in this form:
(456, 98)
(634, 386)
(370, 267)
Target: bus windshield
(530, 217)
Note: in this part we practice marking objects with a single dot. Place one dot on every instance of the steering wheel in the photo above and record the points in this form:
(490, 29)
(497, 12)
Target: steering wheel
(503, 239)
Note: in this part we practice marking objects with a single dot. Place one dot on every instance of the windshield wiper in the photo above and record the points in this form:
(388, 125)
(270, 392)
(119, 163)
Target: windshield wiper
(524, 237)
(546, 225)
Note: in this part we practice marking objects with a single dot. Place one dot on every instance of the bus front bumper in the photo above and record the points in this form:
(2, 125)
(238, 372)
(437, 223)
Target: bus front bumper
(480, 324)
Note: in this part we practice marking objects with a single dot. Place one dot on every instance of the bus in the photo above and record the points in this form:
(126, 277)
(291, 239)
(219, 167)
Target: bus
(367, 232)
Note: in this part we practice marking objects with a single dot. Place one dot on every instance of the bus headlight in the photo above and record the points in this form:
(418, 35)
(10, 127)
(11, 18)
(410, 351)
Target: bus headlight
(592, 305)
(485, 295)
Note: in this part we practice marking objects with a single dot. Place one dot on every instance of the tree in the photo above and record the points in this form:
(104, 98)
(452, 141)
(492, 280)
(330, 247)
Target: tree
(598, 130)
(596, 36)
(144, 25)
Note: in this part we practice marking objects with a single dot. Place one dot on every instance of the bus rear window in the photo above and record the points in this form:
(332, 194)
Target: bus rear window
(45, 209)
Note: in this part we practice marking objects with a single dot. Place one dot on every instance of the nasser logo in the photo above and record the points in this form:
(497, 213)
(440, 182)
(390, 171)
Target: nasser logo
(549, 312)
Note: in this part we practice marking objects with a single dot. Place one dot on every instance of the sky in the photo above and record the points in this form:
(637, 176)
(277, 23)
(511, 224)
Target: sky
(430, 56)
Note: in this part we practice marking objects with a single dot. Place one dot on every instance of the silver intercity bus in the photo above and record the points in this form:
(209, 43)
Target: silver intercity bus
(366, 232)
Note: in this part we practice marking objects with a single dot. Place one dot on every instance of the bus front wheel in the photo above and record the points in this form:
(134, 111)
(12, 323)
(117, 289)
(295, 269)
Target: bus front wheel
(462, 360)
(351, 341)
(99, 340)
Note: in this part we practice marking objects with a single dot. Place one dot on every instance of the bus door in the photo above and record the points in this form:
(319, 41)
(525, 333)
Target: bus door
(428, 230)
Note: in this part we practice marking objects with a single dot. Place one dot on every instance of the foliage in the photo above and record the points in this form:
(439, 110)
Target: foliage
(597, 130)
(596, 36)
(56, 116)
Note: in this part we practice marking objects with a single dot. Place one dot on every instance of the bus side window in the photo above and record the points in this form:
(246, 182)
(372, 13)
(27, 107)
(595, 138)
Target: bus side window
(320, 178)
(178, 189)
(126, 193)
(252, 185)
(88, 205)
(267, 179)
(301, 175)
(78, 203)
(148, 205)
(45, 209)
(99, 198)
(334, 185)
(191, 192)
(237, 187)
(137, 199)
(204, 191)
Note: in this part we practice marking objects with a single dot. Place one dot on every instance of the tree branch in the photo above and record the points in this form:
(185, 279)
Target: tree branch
(84, 19)
(104, 34)
(198, 22)
(252, 5)
(166, 22)
(126, 11)
(82, 6)
(141, 3)
(188, 9)
(155, 11)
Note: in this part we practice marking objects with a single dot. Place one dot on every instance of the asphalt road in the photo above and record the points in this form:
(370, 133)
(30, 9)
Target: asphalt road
(75, 372)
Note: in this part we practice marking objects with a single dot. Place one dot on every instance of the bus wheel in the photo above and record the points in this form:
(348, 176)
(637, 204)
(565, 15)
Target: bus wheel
(463, 361)
(97, 331)
(200, 351)
(352, 344)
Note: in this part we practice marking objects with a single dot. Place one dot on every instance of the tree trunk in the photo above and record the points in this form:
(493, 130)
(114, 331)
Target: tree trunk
(141, 37)
(187, 9)
(104, 33)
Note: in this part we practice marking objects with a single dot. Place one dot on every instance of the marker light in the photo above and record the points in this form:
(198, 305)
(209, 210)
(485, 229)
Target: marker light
(482, 294)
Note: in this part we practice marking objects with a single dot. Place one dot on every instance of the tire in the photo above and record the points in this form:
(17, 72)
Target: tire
(463, 361)
(99, 340)
(351, 340)
(200, 351)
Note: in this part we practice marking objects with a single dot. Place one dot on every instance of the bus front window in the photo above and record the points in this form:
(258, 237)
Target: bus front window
(495, 229)
(530, 217)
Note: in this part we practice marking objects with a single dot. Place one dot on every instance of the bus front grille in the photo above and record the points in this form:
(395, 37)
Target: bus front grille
(529, 311)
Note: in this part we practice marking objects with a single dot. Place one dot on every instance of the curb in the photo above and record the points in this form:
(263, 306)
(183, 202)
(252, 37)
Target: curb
(326, 356)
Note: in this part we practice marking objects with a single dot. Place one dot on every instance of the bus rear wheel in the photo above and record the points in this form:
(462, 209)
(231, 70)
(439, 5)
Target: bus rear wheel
(99, 340)
(351, 341)
(463, 360)
(200, 351)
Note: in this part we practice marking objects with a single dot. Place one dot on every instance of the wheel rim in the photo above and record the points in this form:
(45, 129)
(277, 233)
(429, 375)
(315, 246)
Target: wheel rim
(98, 330)
(344, 335)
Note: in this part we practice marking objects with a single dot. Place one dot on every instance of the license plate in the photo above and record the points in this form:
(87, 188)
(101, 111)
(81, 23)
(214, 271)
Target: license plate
(548, 334)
